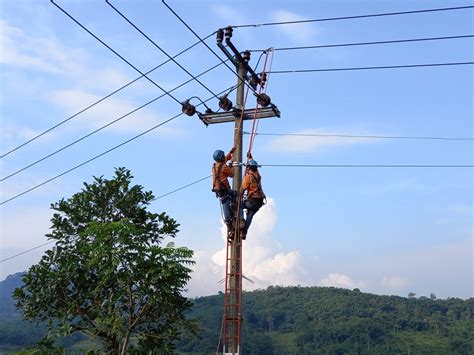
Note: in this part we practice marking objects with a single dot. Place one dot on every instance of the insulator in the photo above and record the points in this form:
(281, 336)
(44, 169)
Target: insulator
(228, 32)
(254, 81)
(263, 77)
(188, 108)
(220, 35)
(263, 100)
(246, 56)
(225, 103)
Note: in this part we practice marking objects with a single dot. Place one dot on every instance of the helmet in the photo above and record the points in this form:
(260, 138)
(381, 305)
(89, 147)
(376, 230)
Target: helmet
(218, 155)
(252, 163)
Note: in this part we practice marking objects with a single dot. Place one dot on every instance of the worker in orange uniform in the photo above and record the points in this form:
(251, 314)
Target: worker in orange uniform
(221, 186)
(255, 197)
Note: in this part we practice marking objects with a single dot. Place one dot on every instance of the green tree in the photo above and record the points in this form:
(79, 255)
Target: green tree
(109, 274)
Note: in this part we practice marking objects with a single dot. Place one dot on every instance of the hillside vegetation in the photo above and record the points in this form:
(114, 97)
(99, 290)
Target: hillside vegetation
(302, 320)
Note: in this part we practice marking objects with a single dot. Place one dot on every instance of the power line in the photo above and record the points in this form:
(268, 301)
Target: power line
(369, 68)
(213, 52)
(364, 136)
(113, 51)
(156, 198)
(104, 126)
(100, 155)
(161, 49)
(366, 166)
(281, 165)
(182, 187)
(26, 251)
(356, 16)
(103, 98)
(369, 43)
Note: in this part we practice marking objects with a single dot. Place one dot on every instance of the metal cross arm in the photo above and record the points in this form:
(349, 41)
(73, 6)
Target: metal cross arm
(231, 116)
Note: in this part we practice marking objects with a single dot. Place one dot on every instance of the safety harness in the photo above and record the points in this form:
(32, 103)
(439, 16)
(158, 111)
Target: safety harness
(221, 192)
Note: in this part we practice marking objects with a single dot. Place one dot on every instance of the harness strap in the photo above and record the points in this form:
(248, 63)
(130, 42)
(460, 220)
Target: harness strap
(217, 175)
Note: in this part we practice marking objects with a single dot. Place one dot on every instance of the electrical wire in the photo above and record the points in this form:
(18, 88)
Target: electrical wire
(155, 199)
(213, 52)
(254, 50)
(364, 136)
(366, 166)
(26, 251)
(102, 99)
(369, 68)
(104, 126)
(182, 187)
(113, 51)
(368, 43)
(280, 165)
(157, 46)
(356, 16)
(99, 155)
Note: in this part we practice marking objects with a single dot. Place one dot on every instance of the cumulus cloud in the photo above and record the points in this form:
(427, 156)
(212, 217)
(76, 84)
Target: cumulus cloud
(341, 280)
(308, 144)
(265, 264)
(298, 33)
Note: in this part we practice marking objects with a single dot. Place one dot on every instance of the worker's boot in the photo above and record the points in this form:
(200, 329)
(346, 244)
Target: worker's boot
(230, 232)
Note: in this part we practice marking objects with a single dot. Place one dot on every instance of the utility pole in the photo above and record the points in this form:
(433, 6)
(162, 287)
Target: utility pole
(235, 276)
(231, 326)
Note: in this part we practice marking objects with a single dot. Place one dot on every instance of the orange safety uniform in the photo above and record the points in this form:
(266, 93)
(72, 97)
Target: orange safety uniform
(252, 183)
(220, 173)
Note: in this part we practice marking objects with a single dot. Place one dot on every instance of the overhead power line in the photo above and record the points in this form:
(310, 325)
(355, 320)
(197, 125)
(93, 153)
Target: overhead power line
(102, 99)
(102, 154)
(369, 68)
(182, 187)
(207, 46)
(113, 51)
(368, 43)
(155, 199)
(368, 166)
(280, 165)
(324, 135)
(157, 46)
(105, 126)
(354, 17)
(26, 251)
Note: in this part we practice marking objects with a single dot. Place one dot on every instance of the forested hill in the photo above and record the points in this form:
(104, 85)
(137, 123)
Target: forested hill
(303, 320)
(315, 320)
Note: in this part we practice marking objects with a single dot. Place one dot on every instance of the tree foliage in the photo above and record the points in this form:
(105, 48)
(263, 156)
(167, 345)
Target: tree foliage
(109, 274)
(327, 320)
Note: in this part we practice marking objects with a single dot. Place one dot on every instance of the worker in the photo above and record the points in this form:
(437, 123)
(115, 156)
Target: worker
(255, 197)
(221, 186)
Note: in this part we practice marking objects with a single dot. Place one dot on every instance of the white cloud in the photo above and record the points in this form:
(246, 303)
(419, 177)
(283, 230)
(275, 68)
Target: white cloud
(73, 101)
(37, 53)
(309, 144)
(341, 280)
(299, 33)
(394, 283)
(265, 263)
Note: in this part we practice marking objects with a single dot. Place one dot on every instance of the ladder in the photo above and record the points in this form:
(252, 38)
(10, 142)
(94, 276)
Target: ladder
(233, 296)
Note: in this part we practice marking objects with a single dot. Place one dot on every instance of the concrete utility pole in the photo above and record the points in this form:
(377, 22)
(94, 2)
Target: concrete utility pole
(235, 264)
(245, 76)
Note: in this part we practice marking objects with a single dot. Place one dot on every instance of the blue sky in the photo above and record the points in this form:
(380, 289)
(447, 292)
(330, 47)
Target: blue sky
(387, 231)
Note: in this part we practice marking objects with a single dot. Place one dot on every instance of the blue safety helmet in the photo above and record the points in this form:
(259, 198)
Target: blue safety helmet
(219, 155)
(253, 163)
